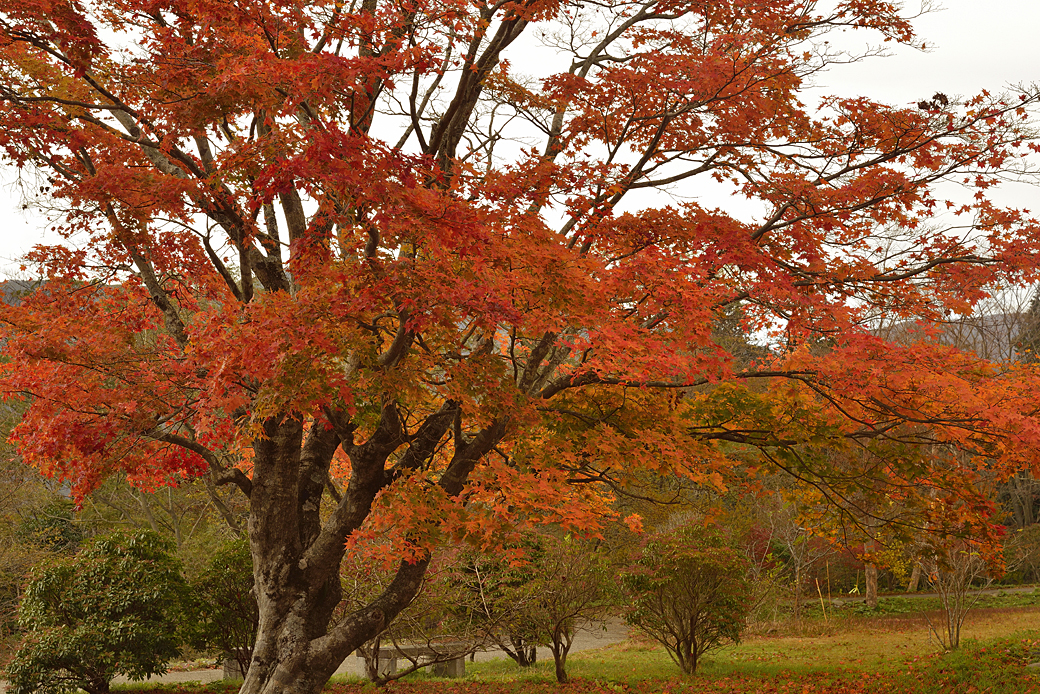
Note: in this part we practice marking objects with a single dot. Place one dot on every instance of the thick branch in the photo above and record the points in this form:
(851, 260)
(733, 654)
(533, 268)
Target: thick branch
(221, 474)
(423, 443)
(468, 454)
(318, 449)
(447, 134)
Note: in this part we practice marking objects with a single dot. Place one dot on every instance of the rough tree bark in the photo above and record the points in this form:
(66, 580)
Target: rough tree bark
(296, 560)
(870, 577)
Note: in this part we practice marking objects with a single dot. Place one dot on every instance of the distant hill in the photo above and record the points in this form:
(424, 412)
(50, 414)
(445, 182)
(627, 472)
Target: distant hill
(12, 291)
(991, 336)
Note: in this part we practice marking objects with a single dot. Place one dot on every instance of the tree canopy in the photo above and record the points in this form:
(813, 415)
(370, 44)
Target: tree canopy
(400, 280)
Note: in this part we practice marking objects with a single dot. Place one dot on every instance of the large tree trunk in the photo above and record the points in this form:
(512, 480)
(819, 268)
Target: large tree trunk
(915, 578)
(297, 554)
(871, 575)
(287, 662)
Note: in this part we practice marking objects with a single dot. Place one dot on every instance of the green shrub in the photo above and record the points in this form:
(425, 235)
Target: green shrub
(689, 591)
(113, 609)
(564, 587)
(489, 594)
(221, 610)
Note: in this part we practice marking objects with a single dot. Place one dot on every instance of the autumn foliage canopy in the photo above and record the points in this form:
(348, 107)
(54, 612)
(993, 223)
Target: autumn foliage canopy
(406, 272)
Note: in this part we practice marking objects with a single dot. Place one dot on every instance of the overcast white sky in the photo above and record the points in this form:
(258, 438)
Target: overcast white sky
(972, 45)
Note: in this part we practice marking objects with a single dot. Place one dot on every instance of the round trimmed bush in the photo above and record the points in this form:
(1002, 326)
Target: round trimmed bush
(113, 609)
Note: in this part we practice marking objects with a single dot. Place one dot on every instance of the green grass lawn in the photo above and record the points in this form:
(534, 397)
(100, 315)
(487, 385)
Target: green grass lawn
(904, 604)
(994, 667)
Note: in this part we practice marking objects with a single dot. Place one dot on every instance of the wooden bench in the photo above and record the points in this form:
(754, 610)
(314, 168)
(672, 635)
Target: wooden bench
(386, 657)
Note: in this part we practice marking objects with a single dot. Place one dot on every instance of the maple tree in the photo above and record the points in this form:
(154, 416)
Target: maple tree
(350, 260)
